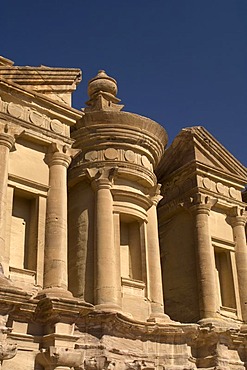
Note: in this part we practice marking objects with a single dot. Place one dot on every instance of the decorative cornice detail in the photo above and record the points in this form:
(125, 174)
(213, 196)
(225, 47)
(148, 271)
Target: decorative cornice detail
(33, 117)
(218, 187)
(115, 154)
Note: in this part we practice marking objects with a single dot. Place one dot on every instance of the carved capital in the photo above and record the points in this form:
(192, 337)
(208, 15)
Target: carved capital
(60, 155)
(8, 134)
(7, 140)
(102, 178)
(155, 195)
(54, 356)
(199, 204)
(237, 216)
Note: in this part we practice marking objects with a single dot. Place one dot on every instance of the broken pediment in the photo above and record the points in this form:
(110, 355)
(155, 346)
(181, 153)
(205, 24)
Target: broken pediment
(197, 145)
(56, 83)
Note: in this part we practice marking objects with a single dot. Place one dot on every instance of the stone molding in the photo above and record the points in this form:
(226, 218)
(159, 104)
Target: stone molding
(180, 186)
(101, 355)
(237, 216)
(41, 77)
(117, 154)
(9, 133)
(59, 154)
(33, 117)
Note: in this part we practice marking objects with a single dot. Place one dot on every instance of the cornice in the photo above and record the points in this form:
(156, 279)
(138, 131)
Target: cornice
(102, 129)
(26, 75)
(33, 98)
(196, 144)
(196, 167)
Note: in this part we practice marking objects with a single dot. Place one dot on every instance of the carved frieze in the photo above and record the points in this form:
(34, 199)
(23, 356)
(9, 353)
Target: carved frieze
(220, 188)
(177, 187)
(32, 116)
(112, 154)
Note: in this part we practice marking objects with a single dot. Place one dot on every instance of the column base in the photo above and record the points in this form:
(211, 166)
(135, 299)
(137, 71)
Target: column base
(108, 307)
(218, 322)
(54, 292)
(159, 318)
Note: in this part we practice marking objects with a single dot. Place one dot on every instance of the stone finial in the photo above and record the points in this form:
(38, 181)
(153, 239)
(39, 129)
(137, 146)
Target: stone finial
(102, 90)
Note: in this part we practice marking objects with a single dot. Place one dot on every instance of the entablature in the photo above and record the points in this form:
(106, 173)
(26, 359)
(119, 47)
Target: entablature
(36, 111)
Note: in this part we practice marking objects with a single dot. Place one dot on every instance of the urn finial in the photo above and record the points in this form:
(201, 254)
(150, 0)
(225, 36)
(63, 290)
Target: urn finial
(102, 91)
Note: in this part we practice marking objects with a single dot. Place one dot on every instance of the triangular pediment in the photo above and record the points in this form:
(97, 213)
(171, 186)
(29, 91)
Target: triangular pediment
(196, 144)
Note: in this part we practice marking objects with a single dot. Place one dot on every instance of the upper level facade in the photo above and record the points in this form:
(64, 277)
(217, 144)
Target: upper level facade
(115, 252)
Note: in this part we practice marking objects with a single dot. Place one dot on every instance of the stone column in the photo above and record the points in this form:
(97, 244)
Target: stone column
(7, 140)
(238, 221)
(108, 280)
(155, 291)
(55, 262)
(205, 257)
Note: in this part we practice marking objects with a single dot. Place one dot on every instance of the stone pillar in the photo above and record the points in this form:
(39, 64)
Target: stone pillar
(205, 257)
(55, 262)
(155, 291)
(238, 221)
(108, 280)
(7, 140)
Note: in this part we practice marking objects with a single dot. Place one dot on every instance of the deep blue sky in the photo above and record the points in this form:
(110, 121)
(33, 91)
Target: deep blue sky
(180, 62)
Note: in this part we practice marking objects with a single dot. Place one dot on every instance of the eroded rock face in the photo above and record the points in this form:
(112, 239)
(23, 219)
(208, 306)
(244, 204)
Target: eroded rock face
(81, 286)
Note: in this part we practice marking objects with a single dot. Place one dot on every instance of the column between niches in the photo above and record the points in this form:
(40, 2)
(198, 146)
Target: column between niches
(6, 143)
(238, 226)
(155, 293)
(55, 261)
(205, 259)
(108, 280)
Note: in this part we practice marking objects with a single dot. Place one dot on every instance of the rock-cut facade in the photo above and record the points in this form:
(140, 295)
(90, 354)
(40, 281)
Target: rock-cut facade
(116, 253)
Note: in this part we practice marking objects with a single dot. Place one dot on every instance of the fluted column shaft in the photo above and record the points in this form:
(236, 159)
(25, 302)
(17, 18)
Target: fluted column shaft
(205, 262)
(108, 282)
(55, 264)
(238, 226)
(6, 143)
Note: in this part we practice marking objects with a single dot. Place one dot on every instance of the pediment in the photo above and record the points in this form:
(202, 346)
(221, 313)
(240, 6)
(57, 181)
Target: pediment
(196, 144)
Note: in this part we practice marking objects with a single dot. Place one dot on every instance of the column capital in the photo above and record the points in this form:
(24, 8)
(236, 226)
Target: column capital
(155, 195)
(237, 216)
(102, 178)
(7, 140)
(59, 154)
(8, 134)
(199, 204)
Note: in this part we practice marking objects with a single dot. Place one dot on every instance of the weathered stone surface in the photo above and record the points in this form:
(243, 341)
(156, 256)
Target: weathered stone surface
(85, 292)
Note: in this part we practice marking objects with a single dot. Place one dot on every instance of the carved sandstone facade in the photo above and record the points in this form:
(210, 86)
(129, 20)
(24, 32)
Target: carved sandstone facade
(86, 262)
